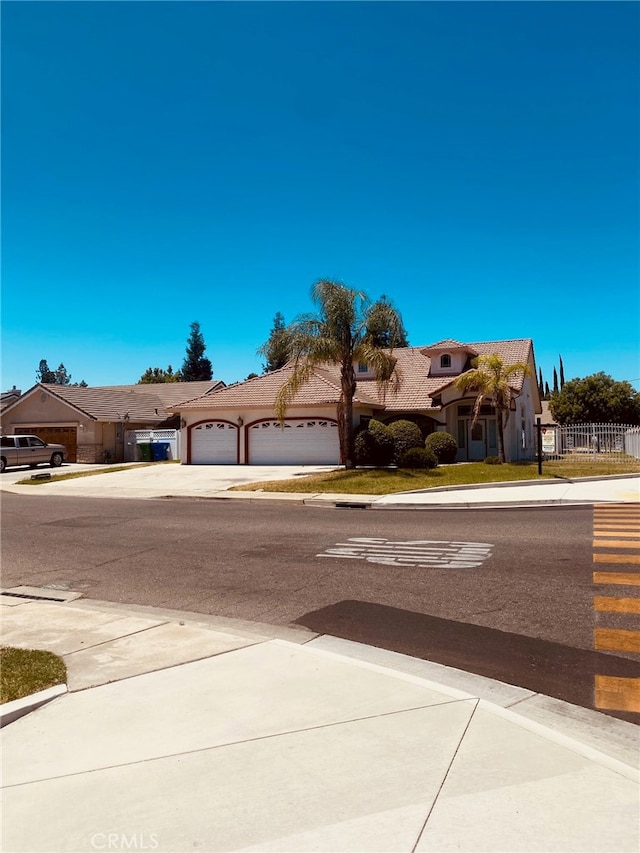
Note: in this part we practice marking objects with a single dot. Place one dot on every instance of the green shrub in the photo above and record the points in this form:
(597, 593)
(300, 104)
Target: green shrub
(418, 457)
(443, 445)
(492, 460)
(405, 435)
(374, 445)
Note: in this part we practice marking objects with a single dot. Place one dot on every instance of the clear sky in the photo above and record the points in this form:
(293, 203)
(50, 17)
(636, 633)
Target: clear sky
(164, 162)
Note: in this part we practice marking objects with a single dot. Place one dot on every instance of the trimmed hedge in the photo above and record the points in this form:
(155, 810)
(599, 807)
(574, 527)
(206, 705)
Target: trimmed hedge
(492, 460)
(406, 435)
(418, 457)
(444, 445)
(374, 446)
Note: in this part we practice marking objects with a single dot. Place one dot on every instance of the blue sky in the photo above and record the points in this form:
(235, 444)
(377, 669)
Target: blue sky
(164, 162)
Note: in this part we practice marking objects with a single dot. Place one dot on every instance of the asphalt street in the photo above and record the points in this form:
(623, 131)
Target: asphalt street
(506, 593)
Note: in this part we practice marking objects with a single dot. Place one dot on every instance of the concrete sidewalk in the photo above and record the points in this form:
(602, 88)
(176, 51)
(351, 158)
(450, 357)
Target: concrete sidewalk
(183, 732)
(214, 481)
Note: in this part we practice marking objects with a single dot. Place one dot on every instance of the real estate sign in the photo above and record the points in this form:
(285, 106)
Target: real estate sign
(548, 440)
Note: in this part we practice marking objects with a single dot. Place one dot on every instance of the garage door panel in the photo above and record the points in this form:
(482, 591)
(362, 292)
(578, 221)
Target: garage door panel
(214, 443)
(68, 436)
(296, 442)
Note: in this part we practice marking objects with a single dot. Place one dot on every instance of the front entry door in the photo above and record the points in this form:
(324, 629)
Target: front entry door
(478, 439)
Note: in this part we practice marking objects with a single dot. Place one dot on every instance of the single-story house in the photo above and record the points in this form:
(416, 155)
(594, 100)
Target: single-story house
(237, 424)
(91, 422)
(8, 397)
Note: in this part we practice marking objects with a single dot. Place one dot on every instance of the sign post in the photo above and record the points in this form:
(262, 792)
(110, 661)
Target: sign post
(539, 444)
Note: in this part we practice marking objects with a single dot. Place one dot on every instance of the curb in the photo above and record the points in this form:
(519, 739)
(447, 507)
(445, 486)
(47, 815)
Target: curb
(12, 711)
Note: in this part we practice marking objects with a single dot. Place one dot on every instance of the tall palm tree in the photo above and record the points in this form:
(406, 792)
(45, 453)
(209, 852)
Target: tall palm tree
(341, 333)
(490, 379)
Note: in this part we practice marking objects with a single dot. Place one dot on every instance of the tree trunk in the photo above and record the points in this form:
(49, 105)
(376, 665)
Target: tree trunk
(348, 382)
(500, 426)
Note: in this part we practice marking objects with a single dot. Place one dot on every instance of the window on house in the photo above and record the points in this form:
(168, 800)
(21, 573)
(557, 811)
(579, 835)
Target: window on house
(445, 360)
(362, 368)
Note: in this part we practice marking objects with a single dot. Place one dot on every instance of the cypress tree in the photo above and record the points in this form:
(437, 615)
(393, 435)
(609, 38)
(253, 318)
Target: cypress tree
(555, 381)
(196, 367)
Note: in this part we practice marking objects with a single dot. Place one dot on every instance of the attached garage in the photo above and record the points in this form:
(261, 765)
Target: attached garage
(214, 443)
(298, 441)
(55, 435)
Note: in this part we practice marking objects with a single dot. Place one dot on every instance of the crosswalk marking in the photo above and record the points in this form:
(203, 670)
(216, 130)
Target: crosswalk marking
(617, 558)
(616, 528)
(606, 604)
(626, 578)
(617, 640)
(617, 694)
(420, 553)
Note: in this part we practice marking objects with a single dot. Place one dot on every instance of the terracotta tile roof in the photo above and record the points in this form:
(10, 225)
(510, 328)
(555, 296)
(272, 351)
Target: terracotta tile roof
(147, 403)
(415, 393)
(9, 397)
(509, 351)
(446, 344)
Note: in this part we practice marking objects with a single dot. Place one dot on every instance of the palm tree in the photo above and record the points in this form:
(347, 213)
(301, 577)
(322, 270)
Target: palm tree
(341, 333)
(490, 379)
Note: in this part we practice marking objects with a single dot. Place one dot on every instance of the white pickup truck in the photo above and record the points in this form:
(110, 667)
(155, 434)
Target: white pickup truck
(29, 450)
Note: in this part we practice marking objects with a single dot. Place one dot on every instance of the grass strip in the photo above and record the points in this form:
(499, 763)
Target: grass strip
(27, 671)
(386, 481)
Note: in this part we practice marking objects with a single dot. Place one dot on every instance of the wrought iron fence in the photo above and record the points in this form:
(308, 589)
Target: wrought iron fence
(590, 442)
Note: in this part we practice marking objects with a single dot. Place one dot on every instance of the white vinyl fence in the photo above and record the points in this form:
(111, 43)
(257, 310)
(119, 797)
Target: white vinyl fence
(133, 452)
(591, 442)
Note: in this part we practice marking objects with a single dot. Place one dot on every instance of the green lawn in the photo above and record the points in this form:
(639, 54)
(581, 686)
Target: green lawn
(26, 671)
(385, 481)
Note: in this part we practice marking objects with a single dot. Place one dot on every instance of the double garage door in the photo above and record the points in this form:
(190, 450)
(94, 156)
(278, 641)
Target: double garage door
(297, 442)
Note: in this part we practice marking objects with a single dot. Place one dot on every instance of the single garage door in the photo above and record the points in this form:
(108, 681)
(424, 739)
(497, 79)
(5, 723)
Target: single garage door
(214, 443)
(298, 442)
(56, 435)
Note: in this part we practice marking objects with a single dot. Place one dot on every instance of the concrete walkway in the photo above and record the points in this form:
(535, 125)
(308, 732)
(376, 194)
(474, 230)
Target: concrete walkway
(182, 732)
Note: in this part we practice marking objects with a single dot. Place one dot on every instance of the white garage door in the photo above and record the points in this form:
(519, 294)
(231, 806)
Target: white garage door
(298, 442)
(215, 443)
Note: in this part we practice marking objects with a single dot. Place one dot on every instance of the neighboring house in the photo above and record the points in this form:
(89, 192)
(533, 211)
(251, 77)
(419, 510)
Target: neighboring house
(546, 418)
(91, 422)
(9, 397)
(237, 424)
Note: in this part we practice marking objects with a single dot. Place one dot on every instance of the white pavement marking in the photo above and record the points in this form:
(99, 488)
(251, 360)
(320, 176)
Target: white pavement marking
(421, 553)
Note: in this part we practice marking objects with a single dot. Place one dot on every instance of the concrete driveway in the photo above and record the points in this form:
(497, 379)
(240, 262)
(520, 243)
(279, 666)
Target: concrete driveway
(159, 480)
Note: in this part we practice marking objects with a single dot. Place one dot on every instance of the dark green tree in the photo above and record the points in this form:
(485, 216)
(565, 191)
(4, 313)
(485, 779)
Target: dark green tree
(63, 377)
(60, 376)
(195, 366)
(338, 334)
(385, 325)
(158, 374)
(561, 373)
(276, 348)
(547, 392)
(44, 374)
(596, 399)
(555, 381)
(540, 384)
